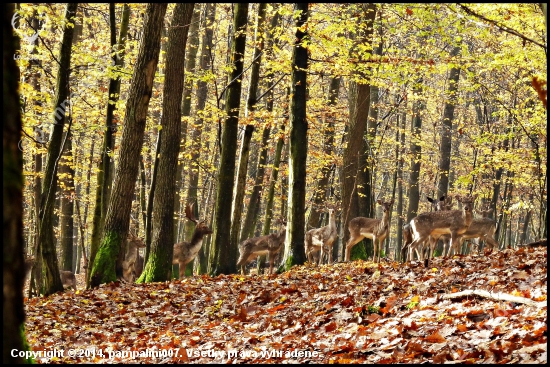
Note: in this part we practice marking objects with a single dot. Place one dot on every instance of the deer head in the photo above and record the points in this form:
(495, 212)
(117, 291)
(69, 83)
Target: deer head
(444, 203)
(200, 225)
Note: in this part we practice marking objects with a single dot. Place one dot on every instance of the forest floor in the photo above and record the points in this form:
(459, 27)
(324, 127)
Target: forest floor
(490, 308)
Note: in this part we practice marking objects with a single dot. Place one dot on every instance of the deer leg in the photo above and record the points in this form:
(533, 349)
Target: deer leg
(182, 270)
(271, 260)
(492, 242)
(413, 247)
(330, 254)
(375, 246)
(321, 253)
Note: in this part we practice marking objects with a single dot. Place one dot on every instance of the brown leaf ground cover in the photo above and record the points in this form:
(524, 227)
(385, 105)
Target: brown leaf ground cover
(357, 312)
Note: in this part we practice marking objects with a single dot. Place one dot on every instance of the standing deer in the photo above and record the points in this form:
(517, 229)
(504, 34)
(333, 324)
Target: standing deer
(480, 229)
(377, 229)
(435, 224)
(270, 244)
(185, 252)
(322, 239)
(444, 203)
(130, 265)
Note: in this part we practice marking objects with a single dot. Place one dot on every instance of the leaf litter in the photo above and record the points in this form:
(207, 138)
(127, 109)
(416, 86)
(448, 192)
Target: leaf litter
(489, 308)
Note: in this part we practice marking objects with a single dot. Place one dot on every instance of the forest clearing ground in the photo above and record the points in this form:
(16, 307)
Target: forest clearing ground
(341, 313)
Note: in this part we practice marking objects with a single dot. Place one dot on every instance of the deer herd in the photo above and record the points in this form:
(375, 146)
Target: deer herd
(420, 236)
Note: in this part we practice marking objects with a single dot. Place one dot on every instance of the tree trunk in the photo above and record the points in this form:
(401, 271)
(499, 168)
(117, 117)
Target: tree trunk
(151, 198)
(354, 167)
(320, 196)
(416, 150)
(249, 129)
(120, 203)
(41, 138)
(104, 175)
(447, 128)
(223, 257)
(13, 261)
(159, 264)
(196, 134)
(66, 179)
(294, 244)
(52, 280)
(400, 189)
(255, 197)
(190, 64)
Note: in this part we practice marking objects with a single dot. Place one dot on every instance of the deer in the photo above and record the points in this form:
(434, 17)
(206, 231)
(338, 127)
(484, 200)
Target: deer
(131, 264)
(270, 244)
(483, 228)
(68, 279)
(444, 203)
(185, 252)
(435, 224)
(377, 229)
(321, 239)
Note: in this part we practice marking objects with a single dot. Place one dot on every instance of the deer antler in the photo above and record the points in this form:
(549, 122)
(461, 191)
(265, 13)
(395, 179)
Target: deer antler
(189, 213)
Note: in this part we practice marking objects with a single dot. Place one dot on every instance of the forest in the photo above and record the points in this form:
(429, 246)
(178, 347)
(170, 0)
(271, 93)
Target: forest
(314, 183)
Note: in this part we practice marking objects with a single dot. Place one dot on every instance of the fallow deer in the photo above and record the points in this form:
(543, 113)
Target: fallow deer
(130, 264)
(377, 229)
(270, 244)
(321, 239)
(481, 229)
(435, 224)
(185, 252)
(444, 203)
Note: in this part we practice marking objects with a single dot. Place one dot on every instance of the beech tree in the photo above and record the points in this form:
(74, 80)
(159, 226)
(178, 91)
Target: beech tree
(223, 256)
(294, 244)
(159, 264)
(117, 221)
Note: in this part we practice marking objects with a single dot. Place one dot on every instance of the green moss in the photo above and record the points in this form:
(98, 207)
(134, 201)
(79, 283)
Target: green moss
(358, 251)
(26, 345)
(103, 269)
(189, 269)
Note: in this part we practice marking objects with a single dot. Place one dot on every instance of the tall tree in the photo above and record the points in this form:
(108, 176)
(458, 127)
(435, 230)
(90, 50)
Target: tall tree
(120, 204)
(416, 150)
(259, 169)
(320, 195)
(223, 257)
(66, 222)
(249, 129)
(447, 128)
(12, 195)
(402, 122)
(104, 175)
(190, 66)
(196, 134)
(159, 263)
(52, 281)
(359, 102)
(294, 244)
